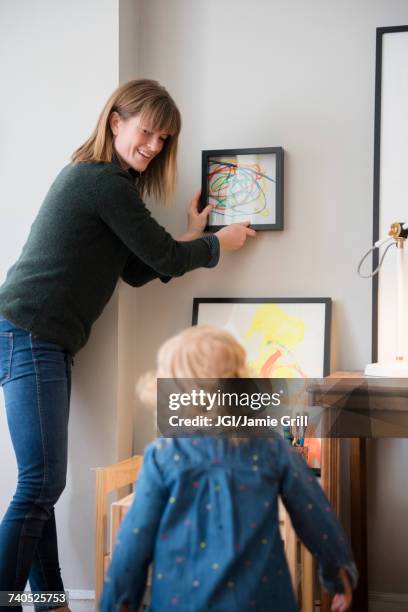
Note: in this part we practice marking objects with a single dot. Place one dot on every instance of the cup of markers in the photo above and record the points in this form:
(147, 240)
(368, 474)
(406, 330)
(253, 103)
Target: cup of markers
(296, 437)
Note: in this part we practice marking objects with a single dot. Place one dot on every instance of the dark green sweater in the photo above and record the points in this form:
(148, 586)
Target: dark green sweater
(92, 229)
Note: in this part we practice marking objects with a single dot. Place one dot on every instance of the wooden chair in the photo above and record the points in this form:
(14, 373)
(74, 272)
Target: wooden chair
(108, 479)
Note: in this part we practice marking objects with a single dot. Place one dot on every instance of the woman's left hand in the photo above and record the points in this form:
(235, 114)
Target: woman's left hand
(196, 220)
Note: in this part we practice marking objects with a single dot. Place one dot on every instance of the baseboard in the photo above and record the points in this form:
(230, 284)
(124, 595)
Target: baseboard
(80, 594)
(387, 602)
(84, 601)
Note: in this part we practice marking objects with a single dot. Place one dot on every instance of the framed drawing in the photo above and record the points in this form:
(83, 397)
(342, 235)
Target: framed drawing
(390, 184)
(283, 338)
(243, 184)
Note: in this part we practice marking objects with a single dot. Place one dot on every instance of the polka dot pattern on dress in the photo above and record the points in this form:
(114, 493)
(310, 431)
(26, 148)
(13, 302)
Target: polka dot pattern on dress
(204, 509)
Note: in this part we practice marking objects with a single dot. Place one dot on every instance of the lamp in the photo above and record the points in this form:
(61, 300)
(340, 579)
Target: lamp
(397, 368)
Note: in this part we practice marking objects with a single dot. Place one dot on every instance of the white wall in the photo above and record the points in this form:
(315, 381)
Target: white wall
(59, 62)
(300, 75)
(129, 26)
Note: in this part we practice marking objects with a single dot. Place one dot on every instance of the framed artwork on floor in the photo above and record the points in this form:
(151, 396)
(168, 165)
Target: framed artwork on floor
(243, 185)
(283, 338)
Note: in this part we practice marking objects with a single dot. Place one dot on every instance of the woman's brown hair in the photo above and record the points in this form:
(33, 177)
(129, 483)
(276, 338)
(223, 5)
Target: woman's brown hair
(158, 110)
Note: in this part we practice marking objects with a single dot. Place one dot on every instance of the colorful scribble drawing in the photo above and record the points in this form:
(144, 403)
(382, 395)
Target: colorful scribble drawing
(237, 188)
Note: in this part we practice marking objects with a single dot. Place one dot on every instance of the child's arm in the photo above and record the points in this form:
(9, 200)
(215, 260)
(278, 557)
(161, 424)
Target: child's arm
(314, 520)
(126, 578)
(342, 601)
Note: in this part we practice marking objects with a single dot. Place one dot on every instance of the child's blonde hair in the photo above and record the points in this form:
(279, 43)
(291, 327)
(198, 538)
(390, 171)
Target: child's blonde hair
(197, 352)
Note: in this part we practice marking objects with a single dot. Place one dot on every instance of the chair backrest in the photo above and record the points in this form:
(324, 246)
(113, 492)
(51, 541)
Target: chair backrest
(108, 479)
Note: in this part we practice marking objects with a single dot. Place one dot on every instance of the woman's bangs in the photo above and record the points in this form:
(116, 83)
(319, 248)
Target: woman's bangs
(162, 116)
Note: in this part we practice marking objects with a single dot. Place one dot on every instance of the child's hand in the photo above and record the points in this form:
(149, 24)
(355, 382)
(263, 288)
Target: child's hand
(341, 601)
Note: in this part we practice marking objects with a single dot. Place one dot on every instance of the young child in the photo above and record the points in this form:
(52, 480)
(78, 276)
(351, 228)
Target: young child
(205, 510)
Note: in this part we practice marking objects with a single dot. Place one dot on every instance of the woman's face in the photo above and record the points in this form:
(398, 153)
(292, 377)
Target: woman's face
(135, 142)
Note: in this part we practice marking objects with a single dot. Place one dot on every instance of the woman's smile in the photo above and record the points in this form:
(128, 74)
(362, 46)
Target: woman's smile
(135, 143)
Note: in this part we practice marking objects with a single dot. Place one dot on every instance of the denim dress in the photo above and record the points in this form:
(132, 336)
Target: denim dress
(205, 513)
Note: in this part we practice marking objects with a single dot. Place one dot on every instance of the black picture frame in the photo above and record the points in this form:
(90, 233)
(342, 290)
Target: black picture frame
(380, 32)
(327, 302)
(245, 186)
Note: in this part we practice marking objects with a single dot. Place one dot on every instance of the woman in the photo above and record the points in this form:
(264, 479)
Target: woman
(92, 229)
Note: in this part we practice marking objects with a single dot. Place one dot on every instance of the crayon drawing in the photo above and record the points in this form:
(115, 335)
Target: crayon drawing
(244, 185)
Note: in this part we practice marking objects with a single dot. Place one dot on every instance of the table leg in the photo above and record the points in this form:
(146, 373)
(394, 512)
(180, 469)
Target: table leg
(358, 520)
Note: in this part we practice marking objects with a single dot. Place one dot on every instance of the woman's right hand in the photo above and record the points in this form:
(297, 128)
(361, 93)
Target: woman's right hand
(232, 237)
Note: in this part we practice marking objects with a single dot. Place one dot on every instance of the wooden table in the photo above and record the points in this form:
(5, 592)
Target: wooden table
(383, 398)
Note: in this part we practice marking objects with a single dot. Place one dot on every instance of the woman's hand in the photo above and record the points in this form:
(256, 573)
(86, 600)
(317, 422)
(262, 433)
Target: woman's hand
(196, 221)
(341, 601)
(232, 237)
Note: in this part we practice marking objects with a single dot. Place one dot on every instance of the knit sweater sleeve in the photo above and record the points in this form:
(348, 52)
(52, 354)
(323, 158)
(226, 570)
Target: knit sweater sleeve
(121, 208)
(136, 273)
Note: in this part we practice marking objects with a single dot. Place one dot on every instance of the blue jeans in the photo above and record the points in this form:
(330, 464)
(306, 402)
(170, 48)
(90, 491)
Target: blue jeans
(36, 380)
